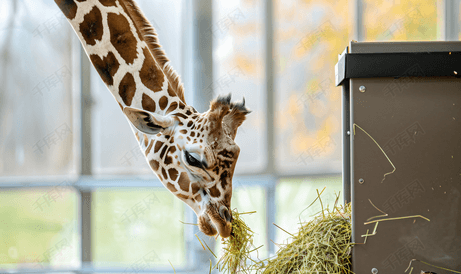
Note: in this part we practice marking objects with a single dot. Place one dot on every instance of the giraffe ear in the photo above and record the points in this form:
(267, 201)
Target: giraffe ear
(235, 117)
(148, 122)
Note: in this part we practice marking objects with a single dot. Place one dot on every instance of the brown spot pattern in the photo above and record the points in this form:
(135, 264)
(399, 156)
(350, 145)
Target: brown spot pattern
(183, 131)
(151, 75)
(127, 89)
(157, 146)
(165, 176)
(108, 3)
(226, 153)
(171, 187)
(68, 7)
(181, 115)
(227, 198)
(121, 37)
(163, 102)
(172, 107)
(128, 13)
(214, 192)
(171, 91)
(195, 188)
(182, 196)
(173, 174)
(91, 27)
(168, 160)
(149, 147)
(147, 103)
(154, 165)
(163, 152)
(146, 141)
(106, 67)
(224, 179)
(198, 198)
(184, 182)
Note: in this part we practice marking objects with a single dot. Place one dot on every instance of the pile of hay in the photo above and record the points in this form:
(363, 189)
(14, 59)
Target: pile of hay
(322, 245)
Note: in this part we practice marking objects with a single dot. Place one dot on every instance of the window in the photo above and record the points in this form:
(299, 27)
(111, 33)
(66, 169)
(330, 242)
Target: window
(76, 193)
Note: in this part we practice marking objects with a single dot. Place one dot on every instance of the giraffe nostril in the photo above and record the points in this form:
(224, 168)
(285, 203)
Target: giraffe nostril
(224, 212)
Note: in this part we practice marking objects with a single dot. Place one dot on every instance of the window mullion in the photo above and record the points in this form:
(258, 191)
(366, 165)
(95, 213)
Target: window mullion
(86, 161)
(358, 23)
(270, 216)
(450, 20)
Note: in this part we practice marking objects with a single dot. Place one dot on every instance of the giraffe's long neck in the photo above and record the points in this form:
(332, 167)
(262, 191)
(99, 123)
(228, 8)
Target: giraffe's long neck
(133, 67)
(192, 154)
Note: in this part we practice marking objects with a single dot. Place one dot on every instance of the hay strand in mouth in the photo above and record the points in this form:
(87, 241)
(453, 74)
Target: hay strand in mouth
(238, 247)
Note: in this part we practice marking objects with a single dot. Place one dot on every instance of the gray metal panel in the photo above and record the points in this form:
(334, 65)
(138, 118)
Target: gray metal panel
(382, 47)
(416, 121)
(345, 141)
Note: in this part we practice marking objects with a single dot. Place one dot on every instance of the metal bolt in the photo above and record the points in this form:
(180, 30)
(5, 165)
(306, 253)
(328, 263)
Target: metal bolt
(361, 181)
(362, 88)
(374, 271)
(348, 132)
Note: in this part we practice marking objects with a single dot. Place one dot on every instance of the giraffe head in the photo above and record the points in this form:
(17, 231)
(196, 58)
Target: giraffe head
(194, 155)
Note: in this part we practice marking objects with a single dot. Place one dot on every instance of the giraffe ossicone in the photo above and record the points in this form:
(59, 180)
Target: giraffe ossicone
(193, 154)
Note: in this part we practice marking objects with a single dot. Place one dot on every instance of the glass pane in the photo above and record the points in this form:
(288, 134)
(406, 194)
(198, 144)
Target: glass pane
(137, 228)
(400, 20)
(39, 228)
(248, 199)
(309, 35)
(238, 68)
(115, 149)
(295, 195)
(36, 100)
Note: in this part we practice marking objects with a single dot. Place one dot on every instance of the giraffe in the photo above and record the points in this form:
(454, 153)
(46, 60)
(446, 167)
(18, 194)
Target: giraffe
(193, 154)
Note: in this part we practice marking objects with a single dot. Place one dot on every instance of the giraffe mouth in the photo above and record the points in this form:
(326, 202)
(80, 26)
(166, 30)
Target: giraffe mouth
(220, 221)
(211, 222)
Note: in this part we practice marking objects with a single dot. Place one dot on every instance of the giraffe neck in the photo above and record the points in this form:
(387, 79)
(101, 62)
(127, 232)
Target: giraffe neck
(129, 64)
(129, 60)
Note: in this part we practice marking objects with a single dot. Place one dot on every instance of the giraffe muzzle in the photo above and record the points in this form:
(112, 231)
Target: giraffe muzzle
(220, 219)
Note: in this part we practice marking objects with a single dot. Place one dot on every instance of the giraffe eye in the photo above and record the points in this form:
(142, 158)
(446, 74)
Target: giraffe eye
(191, 160)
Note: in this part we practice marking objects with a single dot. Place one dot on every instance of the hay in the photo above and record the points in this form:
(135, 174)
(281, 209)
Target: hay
(237, 247)
(321, 246)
